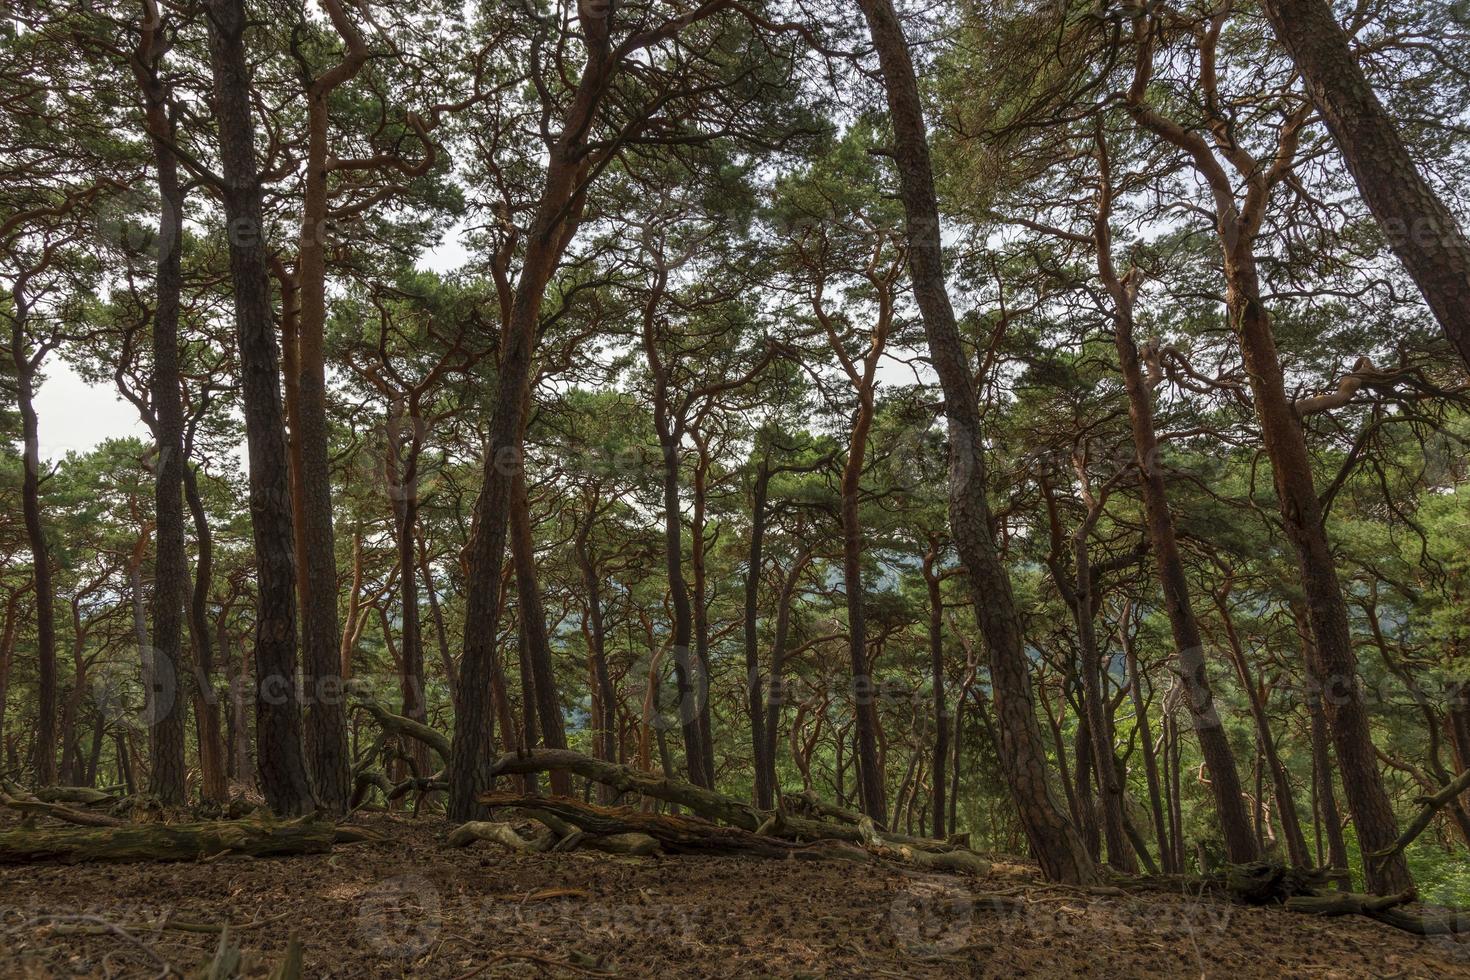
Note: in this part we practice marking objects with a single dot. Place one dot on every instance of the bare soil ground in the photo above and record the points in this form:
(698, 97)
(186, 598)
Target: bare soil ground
(412, 907)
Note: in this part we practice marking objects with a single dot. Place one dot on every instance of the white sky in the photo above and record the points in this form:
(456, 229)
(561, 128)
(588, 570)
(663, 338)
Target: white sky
(75, 415)
(72, 414)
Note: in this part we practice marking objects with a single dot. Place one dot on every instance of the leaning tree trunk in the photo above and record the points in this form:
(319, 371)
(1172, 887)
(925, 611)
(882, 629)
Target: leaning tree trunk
(1291, 829)
(1189, 648)
(1331, 660)
(1021, 750)
(557, 215)
(1420, 228)
(1329, 820)
(1199, 696)
(278, 713)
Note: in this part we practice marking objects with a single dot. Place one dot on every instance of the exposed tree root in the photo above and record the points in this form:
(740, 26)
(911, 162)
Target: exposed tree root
(372, 779)
(693, 835)
(674, 834)
(500, 833)
(707, 803)
(808, 804)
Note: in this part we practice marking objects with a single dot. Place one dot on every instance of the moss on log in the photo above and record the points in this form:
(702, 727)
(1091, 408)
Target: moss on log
(705, 802)
(166, 842)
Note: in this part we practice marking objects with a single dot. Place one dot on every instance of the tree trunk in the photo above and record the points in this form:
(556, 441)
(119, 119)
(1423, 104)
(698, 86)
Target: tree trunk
(1146, 745)
(872, 788)
(1171, 782)
(1331, 660)
(547, 702)
(778, 694)
(26, 368)
(411, 645)
(606, 695)
(1022, 754)
(1420, 228)
(701, 607)
(166, 701)
(212, 760)
(278, 713)
(1291, 829)
(1104, 762)
(325, 713)
(436, 613)
(1199, 697)
(765, 793)
(555, 219)
(691, 686)
(936, 670)
(7, 656)
(557, 215)
(1329, 819)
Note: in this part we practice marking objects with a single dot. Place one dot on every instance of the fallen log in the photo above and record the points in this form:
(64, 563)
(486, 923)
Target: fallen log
(808, 804)
(957, 860)
(77, 795)
(171, 842)
(1304, 890)
(16, 799)
(1387, 909)
(705, 802)
(405, 727)
(675, 834)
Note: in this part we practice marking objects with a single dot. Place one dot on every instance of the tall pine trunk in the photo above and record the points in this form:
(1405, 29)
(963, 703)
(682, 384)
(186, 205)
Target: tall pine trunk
(1332, 663)
(765, 794)
(1420, 228)
(26, 369)
(280, 761)
(871, 780)
(167, 705)
(1199, 696)
(1020, 748)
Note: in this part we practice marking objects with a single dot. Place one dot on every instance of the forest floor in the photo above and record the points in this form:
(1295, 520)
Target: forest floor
(410, 906)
